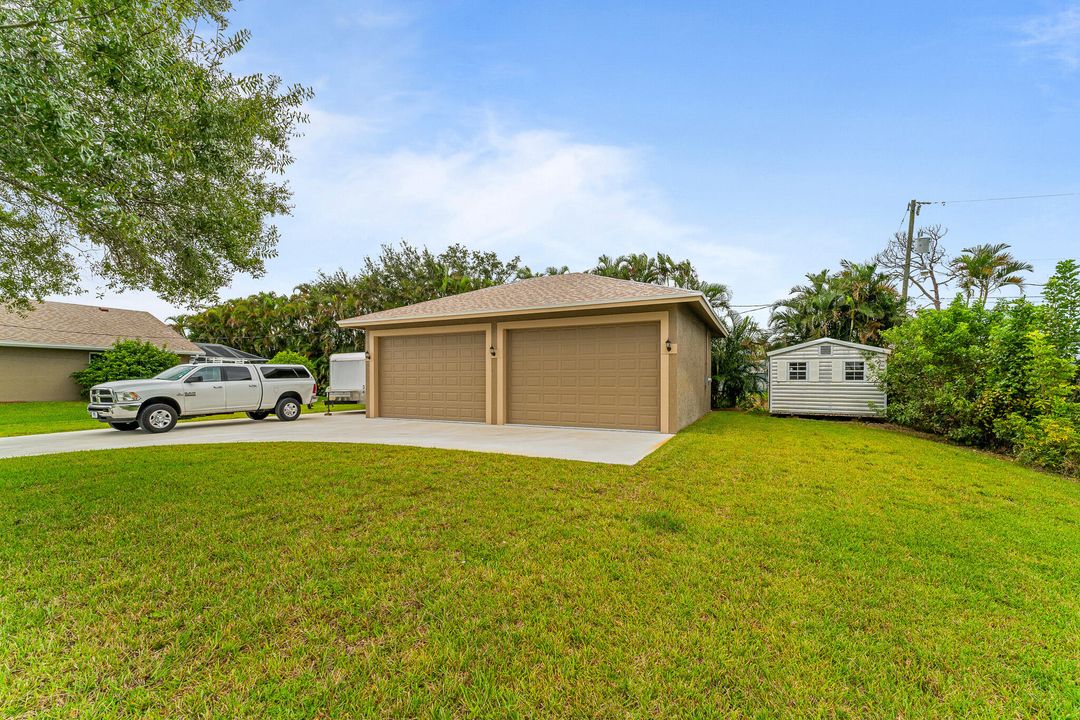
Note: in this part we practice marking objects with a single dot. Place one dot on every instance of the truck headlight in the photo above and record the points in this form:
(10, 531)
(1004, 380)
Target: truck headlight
(128, 396)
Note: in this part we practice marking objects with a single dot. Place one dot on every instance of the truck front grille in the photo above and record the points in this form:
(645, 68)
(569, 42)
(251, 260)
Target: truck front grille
(101, 396)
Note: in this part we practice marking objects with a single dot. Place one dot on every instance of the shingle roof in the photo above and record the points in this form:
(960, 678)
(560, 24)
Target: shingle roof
(548, 291)
(56, 324)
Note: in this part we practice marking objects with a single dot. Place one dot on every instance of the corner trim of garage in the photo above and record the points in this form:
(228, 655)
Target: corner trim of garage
(662, 317)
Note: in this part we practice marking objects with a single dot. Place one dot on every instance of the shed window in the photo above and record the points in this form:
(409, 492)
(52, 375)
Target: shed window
(854, 370)
(825, 350)
(796, 371)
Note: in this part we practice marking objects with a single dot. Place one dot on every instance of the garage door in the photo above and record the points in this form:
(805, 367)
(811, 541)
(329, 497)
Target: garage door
(436, 377)
(590, 376)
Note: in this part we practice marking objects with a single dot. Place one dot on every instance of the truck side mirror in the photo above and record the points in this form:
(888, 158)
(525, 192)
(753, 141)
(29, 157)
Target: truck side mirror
(194, 379)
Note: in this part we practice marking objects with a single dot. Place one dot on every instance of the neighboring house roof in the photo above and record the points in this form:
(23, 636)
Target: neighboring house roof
(86, 327)
(217, 350)
(570, 291)
(831, 341)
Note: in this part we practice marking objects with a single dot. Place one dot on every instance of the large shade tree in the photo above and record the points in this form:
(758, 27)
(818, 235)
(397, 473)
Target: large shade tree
(128, 150)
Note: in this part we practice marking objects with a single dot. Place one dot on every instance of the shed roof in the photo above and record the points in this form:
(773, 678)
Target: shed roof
(566, 292)
(831, 341)
(86, 327)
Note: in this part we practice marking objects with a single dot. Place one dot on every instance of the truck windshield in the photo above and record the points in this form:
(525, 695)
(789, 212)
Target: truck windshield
(174, 373)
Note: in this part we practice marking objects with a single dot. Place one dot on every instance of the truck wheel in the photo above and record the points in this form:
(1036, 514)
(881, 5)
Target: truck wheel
(125, 426)
(287, 409)
(259, 414)
(157, 418)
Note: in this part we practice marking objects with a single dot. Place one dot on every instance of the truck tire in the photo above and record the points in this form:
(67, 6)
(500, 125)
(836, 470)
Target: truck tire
(258, 414)
(158, 418)
(288, 409)
(125, 426)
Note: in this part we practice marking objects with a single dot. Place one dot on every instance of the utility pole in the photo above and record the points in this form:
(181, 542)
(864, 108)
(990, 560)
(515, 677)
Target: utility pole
(913, 207)
(913, 210)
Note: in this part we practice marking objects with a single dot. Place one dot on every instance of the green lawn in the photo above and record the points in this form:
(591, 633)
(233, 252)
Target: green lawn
(35, 418)
(751, 567)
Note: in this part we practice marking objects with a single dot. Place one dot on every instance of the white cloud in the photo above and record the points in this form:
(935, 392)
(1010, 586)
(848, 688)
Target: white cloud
(1057, 34)
(536, 193)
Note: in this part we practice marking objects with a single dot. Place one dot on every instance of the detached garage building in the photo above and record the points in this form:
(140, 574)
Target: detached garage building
(574, 350)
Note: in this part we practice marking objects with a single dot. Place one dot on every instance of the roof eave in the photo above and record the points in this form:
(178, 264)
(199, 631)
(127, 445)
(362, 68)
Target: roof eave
(820, 341)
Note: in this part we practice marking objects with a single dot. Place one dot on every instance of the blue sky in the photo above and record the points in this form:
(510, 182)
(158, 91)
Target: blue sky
(760, 140)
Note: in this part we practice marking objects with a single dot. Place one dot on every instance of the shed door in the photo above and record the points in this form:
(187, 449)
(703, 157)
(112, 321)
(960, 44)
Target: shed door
(585, 376)
(433, 377)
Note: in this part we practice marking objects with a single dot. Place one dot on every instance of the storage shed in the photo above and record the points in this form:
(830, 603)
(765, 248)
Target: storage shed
(827, 377)
(575, 350)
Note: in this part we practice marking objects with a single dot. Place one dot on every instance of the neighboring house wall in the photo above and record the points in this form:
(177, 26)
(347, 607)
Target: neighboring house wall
(825, 391)
(39, 374)
(692, 390)
(43, 374)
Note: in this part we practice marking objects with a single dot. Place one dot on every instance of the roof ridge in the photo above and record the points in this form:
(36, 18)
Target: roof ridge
(557, 292)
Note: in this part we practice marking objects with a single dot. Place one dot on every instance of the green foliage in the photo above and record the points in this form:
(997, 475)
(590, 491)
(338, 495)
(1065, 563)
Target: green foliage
(125, 360)
(128, 147)
(982, 269)
(661, 270)
(288, 357)
(827, 570)
(1062, 302)
(737, 358)
(987, 377)
(856, 304)
(1049, 441)
(306, 320)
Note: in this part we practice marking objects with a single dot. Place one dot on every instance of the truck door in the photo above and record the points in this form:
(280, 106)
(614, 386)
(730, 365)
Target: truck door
(242, 391)
(204, 392)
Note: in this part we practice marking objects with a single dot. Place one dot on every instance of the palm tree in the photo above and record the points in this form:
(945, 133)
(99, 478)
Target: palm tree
(870, 301)
(856, 304)
(982, 269)
(640, 267)
(607, 266)
(736, 360)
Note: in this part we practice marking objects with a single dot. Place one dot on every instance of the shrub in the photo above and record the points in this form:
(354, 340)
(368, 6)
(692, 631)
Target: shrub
(991, 378)
(125, 360)
(1049, 441)
(288, 357)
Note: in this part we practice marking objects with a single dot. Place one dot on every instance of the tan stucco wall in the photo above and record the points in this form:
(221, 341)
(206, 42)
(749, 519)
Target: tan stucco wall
(42, 374)
(37, 374)
(687, 394)
(691, 392)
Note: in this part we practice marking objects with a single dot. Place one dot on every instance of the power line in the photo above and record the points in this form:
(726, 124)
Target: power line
(1013, 197)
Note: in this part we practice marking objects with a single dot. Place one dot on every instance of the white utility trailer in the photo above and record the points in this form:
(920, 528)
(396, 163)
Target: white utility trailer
(348, 379)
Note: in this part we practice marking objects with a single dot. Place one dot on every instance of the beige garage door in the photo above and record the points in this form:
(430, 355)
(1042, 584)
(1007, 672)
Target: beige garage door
(437, 377)
(589, 376)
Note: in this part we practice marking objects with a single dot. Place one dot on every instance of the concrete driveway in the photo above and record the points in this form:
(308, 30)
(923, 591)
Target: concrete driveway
(618, 447)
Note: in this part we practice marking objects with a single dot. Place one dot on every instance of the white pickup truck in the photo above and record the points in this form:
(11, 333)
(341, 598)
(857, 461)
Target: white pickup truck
(203, 389)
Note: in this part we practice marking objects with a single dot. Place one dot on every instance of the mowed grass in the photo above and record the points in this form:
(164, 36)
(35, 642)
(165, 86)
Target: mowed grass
(751, 567)
(36, 418)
